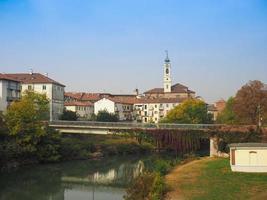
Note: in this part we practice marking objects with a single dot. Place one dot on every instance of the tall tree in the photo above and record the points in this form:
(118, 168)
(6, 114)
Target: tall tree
(227, 116)
(250, 102)
(191, 111)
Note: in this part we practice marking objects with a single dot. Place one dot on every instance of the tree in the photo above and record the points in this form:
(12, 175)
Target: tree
(26, 115)
(32, 136)
(105, 116)
(227, 116)
(191, 111)
(69, 115)
(250, 103)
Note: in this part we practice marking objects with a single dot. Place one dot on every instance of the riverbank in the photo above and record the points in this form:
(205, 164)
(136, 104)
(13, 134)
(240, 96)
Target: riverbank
(212, 178)
(74, 147)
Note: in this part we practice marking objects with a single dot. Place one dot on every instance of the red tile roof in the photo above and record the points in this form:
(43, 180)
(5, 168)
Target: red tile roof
(177, 88)
(6, 77)
(78, 103)
(29, 78)
(159, 100)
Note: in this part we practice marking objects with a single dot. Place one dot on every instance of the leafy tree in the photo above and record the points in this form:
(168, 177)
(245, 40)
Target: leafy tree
(25, 124)
(105, 116)
(250, 102)
(227, 116)
(69, 115)
(191, 111)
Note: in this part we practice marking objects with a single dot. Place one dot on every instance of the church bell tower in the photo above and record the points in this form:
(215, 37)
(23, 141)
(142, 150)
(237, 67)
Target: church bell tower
(167, 82)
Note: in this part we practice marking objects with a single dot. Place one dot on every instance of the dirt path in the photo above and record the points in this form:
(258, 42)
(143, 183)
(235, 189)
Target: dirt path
(189, 172)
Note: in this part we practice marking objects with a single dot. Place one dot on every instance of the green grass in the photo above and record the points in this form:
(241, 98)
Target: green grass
(216, 181)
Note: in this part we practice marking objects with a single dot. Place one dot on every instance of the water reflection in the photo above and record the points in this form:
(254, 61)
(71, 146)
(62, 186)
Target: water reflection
(90, 180)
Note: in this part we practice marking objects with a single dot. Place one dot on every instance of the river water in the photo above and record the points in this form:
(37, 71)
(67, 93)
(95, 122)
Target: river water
(104, 179)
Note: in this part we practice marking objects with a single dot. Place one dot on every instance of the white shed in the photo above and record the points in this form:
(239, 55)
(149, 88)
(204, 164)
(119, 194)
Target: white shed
(248, 157)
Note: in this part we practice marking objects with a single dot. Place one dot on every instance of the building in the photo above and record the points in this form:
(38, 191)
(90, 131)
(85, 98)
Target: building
(216, 108)
(248, 157)
(122, 108)
(153, 110)
(9, 91)
(169, 91)
(82, 109)
(44, 85)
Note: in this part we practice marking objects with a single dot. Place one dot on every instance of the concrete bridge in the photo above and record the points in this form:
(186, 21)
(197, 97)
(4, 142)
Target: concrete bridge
(90, 127)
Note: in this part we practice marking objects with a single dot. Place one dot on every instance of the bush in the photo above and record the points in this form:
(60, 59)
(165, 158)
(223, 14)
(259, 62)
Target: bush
(69, 115)
(148, 186)
(75, 148)
(105, 116)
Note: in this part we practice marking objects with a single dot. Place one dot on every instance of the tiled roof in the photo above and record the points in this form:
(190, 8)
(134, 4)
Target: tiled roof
(74, 95)
(159, 100)
(29, 78)
(78, 103)
(121, 100)
(82, 96)
(6, 77)
(177, 88)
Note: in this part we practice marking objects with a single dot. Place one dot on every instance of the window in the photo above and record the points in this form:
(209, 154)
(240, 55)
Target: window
(29, 87)
(145, 106)
(44, 87)
(145, 119)
(156, 106)
(145, 113)
(167, 105)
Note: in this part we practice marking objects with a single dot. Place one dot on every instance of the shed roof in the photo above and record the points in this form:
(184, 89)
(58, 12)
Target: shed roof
(248, 145)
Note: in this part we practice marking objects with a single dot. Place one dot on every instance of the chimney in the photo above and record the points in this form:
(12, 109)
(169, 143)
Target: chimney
(46, 74)
(31, 71)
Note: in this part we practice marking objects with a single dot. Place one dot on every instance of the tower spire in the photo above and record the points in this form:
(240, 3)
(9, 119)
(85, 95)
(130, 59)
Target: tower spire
(167, 56)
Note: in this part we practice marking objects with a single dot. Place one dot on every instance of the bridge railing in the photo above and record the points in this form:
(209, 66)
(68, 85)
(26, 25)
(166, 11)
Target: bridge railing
(131, 125)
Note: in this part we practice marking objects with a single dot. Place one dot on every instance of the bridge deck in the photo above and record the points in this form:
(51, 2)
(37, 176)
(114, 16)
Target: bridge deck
(126, 125)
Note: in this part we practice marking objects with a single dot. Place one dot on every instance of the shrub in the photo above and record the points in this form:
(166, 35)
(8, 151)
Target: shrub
(69, 115)
(148, 186)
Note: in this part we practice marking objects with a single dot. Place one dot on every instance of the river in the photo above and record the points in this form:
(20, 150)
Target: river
(105, 179)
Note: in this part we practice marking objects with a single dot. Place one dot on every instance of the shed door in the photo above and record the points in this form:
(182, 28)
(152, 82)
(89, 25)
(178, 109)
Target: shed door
(253, 158)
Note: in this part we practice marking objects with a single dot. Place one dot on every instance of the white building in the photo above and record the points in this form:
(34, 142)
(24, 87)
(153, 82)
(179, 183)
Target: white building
(248, 157)
(43, 84)
(123, 109)
(9, 91)
(82, 109)
(153, 110)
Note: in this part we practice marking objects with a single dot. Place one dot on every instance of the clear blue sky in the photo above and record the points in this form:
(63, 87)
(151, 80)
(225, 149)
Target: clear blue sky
(215, 46)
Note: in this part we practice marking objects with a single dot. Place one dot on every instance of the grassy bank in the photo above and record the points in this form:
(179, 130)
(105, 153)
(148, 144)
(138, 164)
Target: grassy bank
(213, 179)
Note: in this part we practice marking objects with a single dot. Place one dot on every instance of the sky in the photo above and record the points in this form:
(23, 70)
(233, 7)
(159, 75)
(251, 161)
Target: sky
(115, 46)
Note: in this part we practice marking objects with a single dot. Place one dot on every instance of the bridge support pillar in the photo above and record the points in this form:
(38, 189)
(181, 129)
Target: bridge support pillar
(214, 147)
